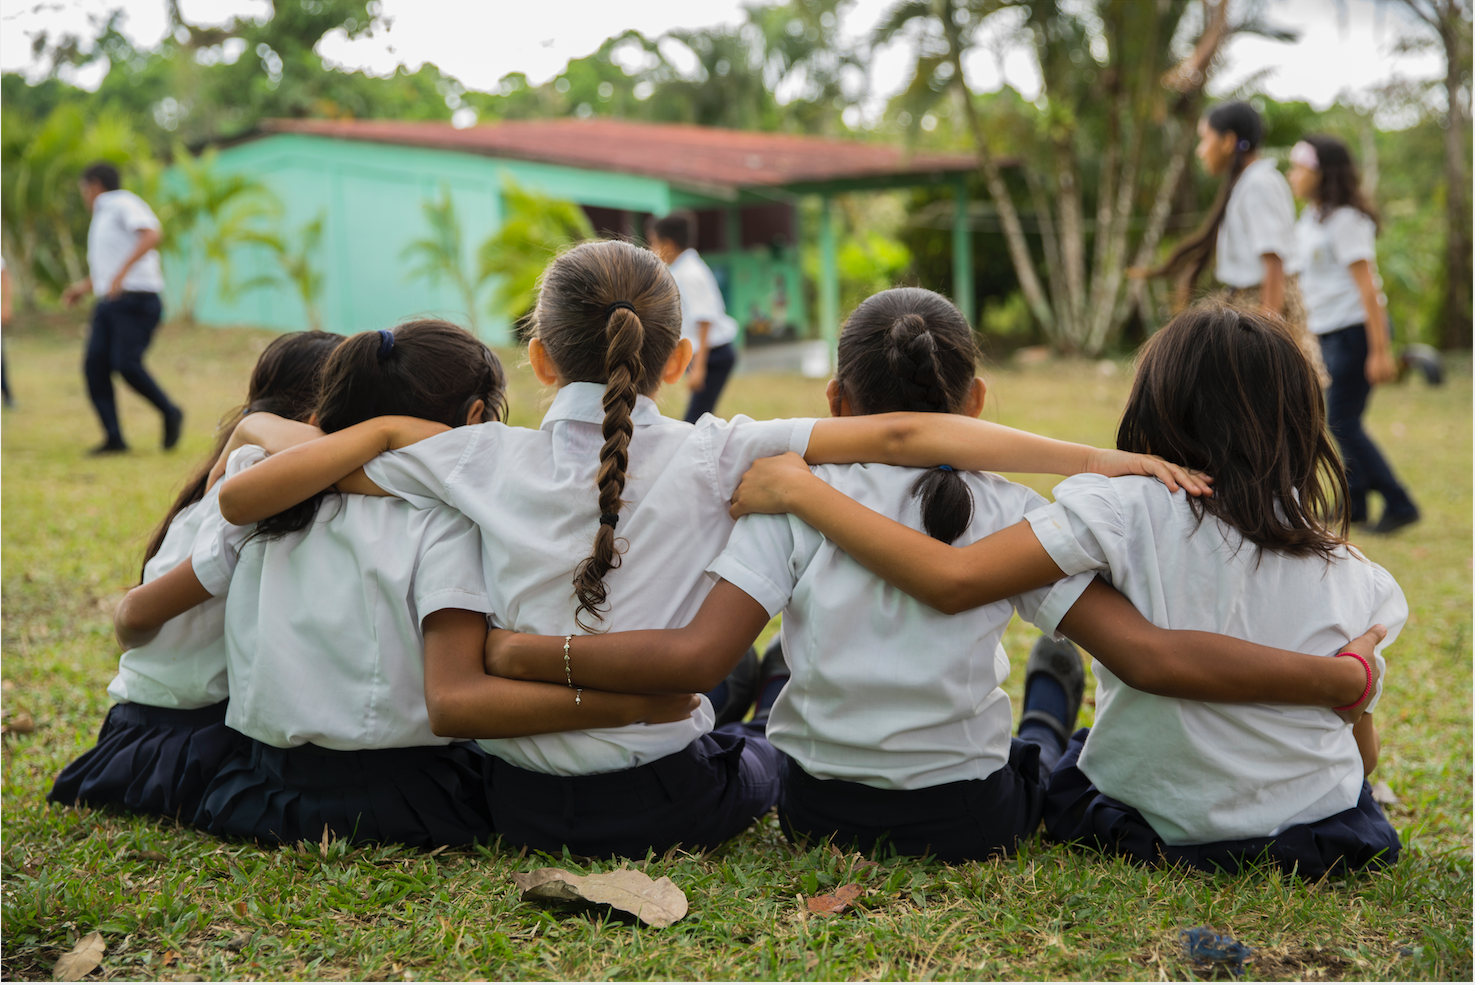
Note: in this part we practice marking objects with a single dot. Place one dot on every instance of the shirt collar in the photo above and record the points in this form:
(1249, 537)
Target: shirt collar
(585, 402)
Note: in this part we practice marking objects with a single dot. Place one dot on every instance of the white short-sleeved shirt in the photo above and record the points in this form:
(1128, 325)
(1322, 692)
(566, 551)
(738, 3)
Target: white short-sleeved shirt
(184, 665)
(701, 301)
(117, 219)
(1325, 249)
(533, 495)
(885, 691)
(1259, 219)
(323, 626)
(1198, 771)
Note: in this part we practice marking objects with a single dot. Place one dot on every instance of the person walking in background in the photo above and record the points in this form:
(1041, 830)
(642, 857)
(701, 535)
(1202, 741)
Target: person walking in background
(125, 273)
(1338, 269)
(704, 317)
(6, 303)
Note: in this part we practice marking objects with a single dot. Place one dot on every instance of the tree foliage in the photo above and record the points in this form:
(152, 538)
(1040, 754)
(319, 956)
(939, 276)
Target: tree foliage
(534, 229)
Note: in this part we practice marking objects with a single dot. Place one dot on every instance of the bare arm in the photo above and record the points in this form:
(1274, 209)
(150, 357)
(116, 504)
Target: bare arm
(273, 433)
(144, 609)
(304, 470)
(696, 376)
(1380, 367)
(464, 702)
(925, 440)
(694, 658)
(1369, 743)
(1272, 283)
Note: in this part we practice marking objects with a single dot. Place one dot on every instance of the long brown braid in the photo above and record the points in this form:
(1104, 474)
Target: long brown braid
(609, 313)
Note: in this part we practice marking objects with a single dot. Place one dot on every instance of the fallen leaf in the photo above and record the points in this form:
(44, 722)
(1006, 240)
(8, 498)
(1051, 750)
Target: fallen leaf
(21, 723)
(829, 904)
(170, 957)
(80, 960)
(149, 856)
(323, 845)
(1383, 794)
(657, 902)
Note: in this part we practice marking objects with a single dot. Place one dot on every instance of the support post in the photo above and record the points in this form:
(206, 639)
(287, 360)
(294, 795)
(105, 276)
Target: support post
(962, 251)
(829, 278)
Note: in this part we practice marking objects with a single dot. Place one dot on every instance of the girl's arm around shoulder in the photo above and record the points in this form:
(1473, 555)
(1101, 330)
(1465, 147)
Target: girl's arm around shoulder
(465, 702)
(304, 470)
(696, 657)
(145, 609)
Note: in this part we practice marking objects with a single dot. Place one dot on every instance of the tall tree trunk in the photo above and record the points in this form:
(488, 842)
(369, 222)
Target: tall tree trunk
(1457, 314)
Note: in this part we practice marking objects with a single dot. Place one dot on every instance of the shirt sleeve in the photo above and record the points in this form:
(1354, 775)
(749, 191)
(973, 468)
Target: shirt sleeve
(733, 446)
(1270, 215)
(449, 573)
(218, 542)
(1351, 235)
(424, 474)
(136, 214)
(765, 557)
(1080, 531)
(1392, 612)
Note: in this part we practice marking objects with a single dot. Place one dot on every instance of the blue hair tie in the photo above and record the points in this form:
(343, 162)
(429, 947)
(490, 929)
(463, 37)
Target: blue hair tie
(946, 468)
(386, 342)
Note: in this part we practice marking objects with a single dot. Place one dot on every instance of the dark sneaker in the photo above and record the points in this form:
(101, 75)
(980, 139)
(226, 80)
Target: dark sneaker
(173, 424)
(1392, 522)
(108, 448)
(1061, 661)
(739, 690)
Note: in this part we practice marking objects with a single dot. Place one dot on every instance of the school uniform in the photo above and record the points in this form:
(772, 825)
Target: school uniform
(122, 327)
(894, 724)
(534, 497)
(1205, 783)
(1326, 248)
(325, 658)
(701, 301)
(165, 739)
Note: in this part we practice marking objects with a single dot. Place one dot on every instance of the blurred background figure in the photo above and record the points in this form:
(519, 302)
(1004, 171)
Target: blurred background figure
(1344, 309)
(704, 317)
(6, 304)
(125, 273)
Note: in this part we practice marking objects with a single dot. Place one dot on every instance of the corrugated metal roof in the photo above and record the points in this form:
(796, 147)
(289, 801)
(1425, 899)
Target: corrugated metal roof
(683, 154)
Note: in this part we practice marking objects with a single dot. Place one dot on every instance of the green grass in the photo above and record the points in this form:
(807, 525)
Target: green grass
(173, 903)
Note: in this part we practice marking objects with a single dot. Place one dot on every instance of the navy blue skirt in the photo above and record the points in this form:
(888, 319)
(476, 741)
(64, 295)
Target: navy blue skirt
(1075, 811)
(421, 796)
(151, 760)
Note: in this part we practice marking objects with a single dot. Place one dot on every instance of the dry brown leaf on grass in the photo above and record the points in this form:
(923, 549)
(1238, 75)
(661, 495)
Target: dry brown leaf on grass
(658, 902)
(76, 963)
(19, 723)
(830, 904)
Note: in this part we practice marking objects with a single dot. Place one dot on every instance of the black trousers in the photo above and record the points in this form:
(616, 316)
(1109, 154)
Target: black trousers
(121, 331)
(1345, 354)
(719, 367)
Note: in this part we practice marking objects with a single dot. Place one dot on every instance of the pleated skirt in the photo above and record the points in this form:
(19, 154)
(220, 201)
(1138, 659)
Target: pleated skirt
(151, 760)
(1075, 811)
(420, 796)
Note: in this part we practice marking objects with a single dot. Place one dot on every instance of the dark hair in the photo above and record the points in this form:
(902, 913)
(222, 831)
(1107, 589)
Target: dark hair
(1229, 391)
(1340, 183)
(285, 383)
(425, 368)
(1194, 253)
(911, 349)
(609, 313)
(676, 227)
(103, 174)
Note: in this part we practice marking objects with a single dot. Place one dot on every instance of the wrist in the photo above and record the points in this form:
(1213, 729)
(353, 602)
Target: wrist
(1353, 681)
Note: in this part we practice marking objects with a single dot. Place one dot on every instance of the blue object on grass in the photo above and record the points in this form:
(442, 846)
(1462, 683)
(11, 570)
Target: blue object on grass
(1206, 947)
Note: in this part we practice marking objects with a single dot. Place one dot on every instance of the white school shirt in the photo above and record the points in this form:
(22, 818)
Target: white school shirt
(701, 301)
(184, 665)
(1259, 219)
(117, 219)
(533, 495)
(886, 691)
(323, 626)
(1324, 252)
(1200, 771)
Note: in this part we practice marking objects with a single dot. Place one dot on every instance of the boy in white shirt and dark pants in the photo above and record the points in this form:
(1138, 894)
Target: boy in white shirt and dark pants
(704, 317)
(128, 279)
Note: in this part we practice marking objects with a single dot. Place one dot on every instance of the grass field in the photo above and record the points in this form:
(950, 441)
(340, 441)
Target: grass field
(174, 904)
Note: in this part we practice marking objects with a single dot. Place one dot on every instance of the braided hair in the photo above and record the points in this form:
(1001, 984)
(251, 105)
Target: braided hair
(911, 349)
(608, 312)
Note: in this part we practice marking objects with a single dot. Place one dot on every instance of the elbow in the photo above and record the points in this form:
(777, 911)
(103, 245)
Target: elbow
(955, 595)
(444, 721)
(129, 626)
(233, 507)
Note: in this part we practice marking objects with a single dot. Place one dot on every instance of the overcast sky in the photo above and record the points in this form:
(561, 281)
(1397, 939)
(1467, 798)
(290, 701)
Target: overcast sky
(1345, 45)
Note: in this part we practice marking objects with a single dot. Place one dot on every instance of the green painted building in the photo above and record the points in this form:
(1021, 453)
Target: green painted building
(368, 179)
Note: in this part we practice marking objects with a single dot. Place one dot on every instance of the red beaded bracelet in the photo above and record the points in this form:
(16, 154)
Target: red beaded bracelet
(1365, 691)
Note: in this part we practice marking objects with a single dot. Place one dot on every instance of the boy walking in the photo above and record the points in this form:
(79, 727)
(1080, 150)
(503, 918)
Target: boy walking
(704, 317)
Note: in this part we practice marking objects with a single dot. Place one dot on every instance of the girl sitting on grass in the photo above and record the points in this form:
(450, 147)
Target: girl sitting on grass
(1159, 777)
(549, 503)
(163, 741)
(894, 725)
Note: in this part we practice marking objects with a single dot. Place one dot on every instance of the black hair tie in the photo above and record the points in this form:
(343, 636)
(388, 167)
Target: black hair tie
(386, 342)
(620, 304)
(609, 519)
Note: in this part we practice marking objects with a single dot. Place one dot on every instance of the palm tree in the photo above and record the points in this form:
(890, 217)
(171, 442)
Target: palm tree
(298, 266)
(438, 257)
(534, 228)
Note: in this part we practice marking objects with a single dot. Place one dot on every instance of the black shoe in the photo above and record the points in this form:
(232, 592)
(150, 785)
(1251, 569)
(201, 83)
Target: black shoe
(108, 448)
(775, 667)
(1392, 522)
(173, 423)
(742, 688)
(1061, 660)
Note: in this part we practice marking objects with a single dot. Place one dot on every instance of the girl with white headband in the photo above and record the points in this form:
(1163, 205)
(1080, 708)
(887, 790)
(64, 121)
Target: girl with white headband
(1338, 268)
